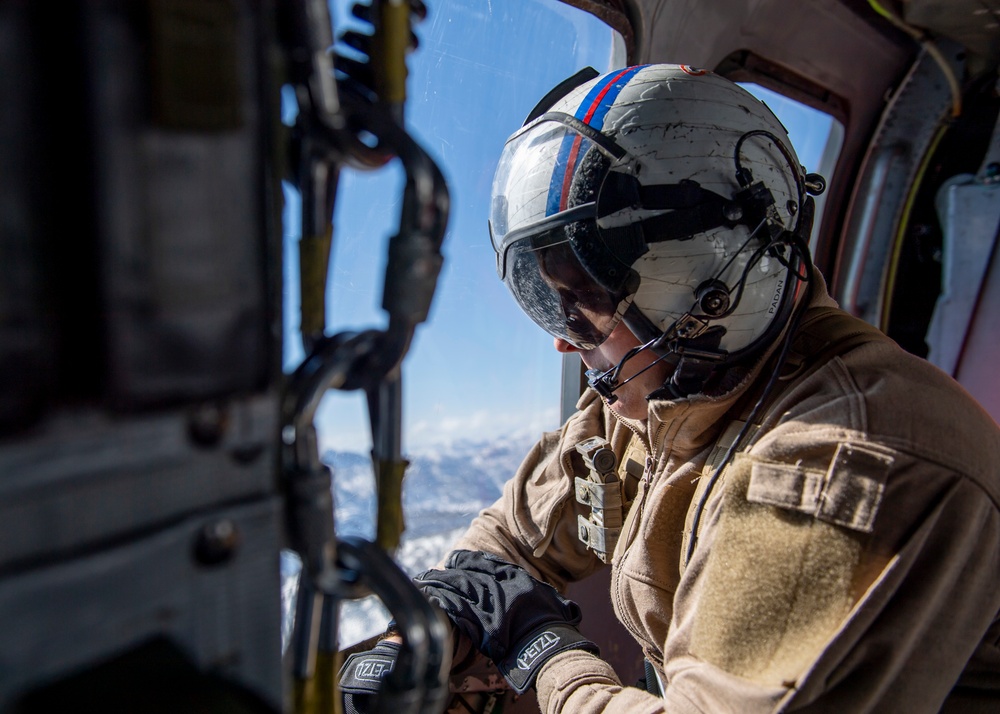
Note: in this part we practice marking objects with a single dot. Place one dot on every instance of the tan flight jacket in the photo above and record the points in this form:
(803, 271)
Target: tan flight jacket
(848, 560)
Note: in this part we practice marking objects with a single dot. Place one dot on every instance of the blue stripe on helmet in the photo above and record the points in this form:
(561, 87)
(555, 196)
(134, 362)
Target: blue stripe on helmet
(592, 110)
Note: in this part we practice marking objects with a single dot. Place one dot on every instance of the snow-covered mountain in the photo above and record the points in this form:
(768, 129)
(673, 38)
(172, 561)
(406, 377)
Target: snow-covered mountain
(444, 489)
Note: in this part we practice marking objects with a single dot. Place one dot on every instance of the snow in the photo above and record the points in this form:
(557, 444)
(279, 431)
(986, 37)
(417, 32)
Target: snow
(443, 491)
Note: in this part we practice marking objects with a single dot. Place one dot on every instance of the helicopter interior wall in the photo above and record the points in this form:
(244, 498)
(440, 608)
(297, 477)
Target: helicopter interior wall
(952, 255)
(977, 368)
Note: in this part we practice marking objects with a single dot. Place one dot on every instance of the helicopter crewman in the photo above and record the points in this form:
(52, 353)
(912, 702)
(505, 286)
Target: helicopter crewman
(797, 513)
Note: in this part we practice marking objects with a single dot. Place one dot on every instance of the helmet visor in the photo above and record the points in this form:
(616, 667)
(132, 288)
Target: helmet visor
(546, 277)
(546, 170)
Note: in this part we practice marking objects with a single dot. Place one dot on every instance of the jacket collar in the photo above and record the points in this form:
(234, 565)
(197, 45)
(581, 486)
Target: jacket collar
(686, 426)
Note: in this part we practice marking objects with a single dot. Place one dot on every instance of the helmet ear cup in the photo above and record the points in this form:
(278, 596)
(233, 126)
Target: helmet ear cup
(692, 373)
(713, 298)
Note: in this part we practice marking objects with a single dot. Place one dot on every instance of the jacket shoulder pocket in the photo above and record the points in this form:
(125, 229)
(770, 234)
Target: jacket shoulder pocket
(848, 493)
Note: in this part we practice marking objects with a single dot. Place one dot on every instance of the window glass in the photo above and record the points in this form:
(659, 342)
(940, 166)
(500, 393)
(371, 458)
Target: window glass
(481, 381)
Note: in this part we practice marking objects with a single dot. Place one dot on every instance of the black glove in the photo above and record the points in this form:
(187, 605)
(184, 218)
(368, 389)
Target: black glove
(362, 674)
(515, 620)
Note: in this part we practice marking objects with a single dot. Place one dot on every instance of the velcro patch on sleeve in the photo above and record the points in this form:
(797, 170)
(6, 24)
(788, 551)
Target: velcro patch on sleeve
(847, 494)
(777, 582)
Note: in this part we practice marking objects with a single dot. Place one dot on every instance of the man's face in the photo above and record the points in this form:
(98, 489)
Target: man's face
(588, 310)
(631, 401)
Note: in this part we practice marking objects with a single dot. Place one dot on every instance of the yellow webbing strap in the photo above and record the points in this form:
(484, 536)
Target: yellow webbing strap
(314, 263)
(327, 678)
(389, 494)
(391, 44)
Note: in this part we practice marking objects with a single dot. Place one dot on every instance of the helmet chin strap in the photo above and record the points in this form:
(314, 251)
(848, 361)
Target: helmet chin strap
(607, 382)
(695, 361)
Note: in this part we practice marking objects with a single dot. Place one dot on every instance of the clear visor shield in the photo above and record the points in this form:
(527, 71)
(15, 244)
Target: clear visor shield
(542, 214)
(555, 290)
(545, 170)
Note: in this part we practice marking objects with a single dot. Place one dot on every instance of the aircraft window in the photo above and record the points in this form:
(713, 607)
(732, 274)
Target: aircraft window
(816, 136)
(481, 381)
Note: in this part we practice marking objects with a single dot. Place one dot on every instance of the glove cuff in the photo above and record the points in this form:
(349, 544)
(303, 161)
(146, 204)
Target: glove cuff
(363, 672)
(521, 666)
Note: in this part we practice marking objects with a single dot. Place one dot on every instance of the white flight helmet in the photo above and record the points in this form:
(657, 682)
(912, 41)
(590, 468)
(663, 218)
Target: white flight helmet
(661, 195)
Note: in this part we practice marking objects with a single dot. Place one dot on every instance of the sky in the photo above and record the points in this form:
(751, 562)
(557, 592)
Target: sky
(478, 367)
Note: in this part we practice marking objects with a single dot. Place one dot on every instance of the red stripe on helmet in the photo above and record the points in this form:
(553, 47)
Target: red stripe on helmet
(570, 169)
(597, 100)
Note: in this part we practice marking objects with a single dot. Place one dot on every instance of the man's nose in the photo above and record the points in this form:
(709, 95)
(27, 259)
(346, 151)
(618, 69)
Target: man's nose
(563, 346)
